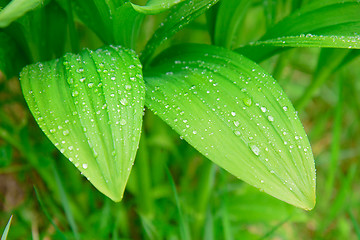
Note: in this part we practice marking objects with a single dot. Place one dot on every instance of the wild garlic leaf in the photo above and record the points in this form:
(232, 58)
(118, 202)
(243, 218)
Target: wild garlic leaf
(90, 106)
(15, 9)
(179, 16)
(329, 24)
(237, 115)
(155, 6)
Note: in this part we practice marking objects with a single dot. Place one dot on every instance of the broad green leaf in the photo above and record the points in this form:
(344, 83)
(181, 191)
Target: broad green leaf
(329, 24)
(155, 6)
(90, 106)
(15, 9)
(179, 16)
(237, 115)
(6, 230)
(229, 16)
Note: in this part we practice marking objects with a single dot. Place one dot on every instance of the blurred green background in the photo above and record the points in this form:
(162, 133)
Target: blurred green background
(174, 192)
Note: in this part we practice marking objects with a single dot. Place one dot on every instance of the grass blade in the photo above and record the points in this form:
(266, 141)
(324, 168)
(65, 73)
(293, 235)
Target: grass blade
(183, 224)
(6, 230)
(355, 223)
(42, 206)
(65, 204)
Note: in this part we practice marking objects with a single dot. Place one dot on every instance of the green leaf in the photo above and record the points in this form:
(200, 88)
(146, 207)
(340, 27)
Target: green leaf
(11, 58)
(90, 106)
(6, 230)
(155, 6)
(230, 15)
(126, 34)
(97, 15)
(111, 21)
(15, 9)
(237, 115)
(179, 16)
(328, 24)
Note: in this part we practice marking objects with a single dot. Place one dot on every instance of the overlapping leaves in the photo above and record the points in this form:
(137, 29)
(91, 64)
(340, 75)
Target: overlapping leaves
(330, 24)
(235, 114)
(90, 106)
(179, 16)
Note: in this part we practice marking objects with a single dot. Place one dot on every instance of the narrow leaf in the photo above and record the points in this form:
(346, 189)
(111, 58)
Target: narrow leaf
(229, 17)
(329, 24)
(15, 9)
(237, 115)
(90, 106)
(130, 20)
(155, 6)
(6, 230)
(180, 16)
(97, 15)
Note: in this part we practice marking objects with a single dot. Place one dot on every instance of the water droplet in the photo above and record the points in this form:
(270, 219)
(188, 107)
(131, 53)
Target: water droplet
(236, 123)
(255, 149)
(122, 122)
(75, 93)
(123, 101)
(247, 101)
(66, 132)
(127, 87)
(263, 109)
(237, 133)
(271, 118)
(285, 108)
(90, 85)
(233, 114)
(85, 166)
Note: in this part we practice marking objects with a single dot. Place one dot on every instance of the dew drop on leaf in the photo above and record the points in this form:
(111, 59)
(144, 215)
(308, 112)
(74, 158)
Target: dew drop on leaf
(247, 101)
(255, 149)
(123, 101)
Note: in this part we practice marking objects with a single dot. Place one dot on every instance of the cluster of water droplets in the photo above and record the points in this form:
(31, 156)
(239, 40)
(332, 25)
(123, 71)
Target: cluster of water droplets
(90, 105)
(248, 103)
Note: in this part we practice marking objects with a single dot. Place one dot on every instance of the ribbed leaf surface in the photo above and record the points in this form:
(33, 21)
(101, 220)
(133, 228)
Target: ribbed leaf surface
(156, 6)
(15, 9)
(237, 115)
(90, 106)
(329, 24)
